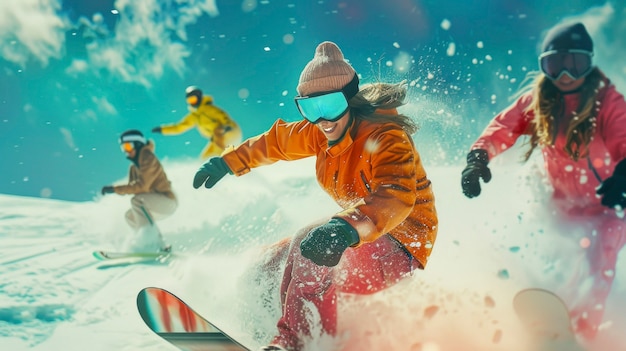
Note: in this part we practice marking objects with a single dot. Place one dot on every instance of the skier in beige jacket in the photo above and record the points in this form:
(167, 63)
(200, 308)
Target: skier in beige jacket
(153, 197)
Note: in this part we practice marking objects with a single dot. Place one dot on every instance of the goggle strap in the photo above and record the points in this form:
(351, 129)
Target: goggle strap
(352, 88)
(573, 51)
(133, 137)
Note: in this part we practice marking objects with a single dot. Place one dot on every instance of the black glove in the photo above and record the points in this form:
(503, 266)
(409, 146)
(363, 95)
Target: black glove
(613, 188)
(156, 130)
(107, 189)
(325, 244)
(477, 161)
(211, 172)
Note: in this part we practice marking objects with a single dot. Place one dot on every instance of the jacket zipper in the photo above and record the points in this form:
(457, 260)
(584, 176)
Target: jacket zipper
(556, 130)
(335, 176)
(367, 185)
(594, 170)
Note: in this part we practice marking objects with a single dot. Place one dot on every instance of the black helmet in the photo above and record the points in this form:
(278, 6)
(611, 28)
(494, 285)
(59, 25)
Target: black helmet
(133, 136)
(191, 92)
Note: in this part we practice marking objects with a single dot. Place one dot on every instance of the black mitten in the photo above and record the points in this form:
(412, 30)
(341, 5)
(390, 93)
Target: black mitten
(211, 172)
(107, 189)
(325, 244)
(613, 188)
(476, 168)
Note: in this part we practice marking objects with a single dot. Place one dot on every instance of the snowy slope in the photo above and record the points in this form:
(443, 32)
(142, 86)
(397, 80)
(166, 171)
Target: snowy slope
(53, 296)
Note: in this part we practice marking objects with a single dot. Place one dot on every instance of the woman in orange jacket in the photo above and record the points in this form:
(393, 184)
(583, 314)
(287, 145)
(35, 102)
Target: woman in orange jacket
(367, 162)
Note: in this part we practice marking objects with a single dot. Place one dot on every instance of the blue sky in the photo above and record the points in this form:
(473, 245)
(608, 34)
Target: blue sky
(75, 74)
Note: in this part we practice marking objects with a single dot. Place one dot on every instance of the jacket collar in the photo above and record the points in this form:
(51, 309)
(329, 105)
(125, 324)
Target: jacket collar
(345, 142)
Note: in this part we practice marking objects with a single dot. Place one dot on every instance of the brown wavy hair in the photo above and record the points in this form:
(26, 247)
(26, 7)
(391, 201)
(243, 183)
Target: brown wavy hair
(548, 107)
(374, 99)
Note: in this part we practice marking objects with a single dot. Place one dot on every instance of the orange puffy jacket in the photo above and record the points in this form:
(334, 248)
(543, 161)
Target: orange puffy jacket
(374, 173)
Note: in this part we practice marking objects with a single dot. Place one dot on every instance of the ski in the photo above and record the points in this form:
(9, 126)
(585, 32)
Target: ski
(112, 255)
(112, 259)
(174, 321)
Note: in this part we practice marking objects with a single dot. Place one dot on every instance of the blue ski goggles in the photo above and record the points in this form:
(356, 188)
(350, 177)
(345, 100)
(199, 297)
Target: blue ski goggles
(574, 63)
(327, 105)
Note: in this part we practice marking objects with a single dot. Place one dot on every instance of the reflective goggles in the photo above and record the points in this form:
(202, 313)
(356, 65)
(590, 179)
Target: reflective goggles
(127, 146)
(327, 105)
(192, 100)
(574, 63)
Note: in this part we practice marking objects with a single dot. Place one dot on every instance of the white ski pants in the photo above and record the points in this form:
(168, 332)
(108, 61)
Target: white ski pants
(149, 207)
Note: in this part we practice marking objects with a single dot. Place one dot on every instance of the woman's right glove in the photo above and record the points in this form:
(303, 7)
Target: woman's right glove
(107, 189)
(613, 188)
(325, 244)
(211, 172)
(476, 168)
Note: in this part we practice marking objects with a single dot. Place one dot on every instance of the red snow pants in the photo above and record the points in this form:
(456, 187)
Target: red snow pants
(364, 270)
(607, 235)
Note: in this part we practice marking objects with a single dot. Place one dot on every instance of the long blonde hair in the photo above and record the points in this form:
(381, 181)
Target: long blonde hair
(548, 107)
(373, 99)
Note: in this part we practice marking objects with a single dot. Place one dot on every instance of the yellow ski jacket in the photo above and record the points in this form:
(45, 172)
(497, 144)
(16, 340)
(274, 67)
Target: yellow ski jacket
(208, 118)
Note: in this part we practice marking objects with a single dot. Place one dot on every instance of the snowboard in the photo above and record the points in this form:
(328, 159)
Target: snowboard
(173, 320)
(547, 319)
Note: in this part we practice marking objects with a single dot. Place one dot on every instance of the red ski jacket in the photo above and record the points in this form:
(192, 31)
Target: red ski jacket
(574, 182)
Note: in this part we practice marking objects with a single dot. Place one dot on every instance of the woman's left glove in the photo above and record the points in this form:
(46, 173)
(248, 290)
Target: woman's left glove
(613, 189)
(211, 172)
(325, 244)
(107, 189)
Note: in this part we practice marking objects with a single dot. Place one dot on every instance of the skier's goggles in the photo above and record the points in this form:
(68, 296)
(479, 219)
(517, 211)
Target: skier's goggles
(127, 146)
(575, 63)
(327, 105)
(192, 100)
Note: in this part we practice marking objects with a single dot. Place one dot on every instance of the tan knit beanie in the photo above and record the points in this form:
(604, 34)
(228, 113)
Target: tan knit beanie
(328, 70)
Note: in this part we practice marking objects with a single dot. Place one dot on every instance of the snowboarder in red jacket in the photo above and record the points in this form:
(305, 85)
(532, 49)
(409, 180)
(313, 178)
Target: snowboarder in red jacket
(577, 118)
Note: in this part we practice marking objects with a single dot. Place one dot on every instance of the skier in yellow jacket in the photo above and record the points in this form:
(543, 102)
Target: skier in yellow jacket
(212, 122)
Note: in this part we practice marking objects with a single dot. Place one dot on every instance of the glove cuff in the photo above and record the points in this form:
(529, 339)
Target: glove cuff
(478, 156)
(223, 165)
(348, 232)
(620, 168)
